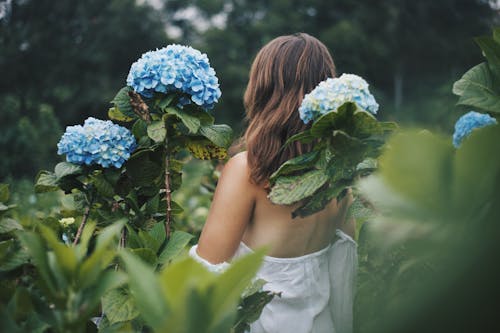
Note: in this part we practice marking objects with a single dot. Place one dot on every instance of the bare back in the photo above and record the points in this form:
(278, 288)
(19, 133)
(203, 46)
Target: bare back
(241, 211)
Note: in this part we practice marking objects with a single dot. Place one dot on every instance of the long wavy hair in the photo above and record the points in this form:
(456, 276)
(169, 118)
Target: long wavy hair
(284, 70)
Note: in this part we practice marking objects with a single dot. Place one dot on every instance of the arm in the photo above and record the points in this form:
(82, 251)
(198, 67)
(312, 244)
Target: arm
(229, 213)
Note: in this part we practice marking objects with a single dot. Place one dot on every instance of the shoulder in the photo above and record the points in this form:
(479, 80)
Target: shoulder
(237, 171)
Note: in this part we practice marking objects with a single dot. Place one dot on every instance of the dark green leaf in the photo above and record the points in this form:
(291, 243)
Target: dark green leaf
(491, 50)
(291, 189)
(304, 137)
(102, 186)
(320, 199)
(220, 135)
(191, 122)
(332, 120)
(139, 129)
(122, 102)
(146, 254)
(300, 162)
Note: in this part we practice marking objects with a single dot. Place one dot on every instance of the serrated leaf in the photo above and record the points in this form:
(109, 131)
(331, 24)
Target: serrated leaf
(122, 102)
(119, 306)
(46, 182)
(115, 114)
(320, 200)
(139, 129)
(220, 135)
(291, 189)
(300, 162)
(157, 130)
(4, 193)
(175, 246)
(491, 50)
(158, 232)
(191, 122)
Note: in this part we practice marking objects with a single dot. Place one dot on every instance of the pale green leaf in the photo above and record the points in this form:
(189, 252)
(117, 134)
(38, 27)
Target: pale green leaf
(157, 130)
(176, 244)
(291, 189)
(119, 306)
(220, 135)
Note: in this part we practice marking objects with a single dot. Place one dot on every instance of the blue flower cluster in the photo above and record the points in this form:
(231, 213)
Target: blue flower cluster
(333, 92)
(176, 68)
(97, 142)
(467, 123)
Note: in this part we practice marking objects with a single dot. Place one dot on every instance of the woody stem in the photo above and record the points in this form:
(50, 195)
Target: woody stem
(168, 191)
(82, 225)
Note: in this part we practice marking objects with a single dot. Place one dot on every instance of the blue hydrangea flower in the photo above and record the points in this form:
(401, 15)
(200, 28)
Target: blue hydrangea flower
(97, 142)
(176, 68)
(468, 122)
(333, 92)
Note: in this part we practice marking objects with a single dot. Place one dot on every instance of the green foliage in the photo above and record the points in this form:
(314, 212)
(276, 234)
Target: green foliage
(347, 141)
(424, 258)
(168, 300)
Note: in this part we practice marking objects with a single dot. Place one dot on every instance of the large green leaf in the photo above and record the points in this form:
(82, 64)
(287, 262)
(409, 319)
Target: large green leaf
(102, 186)
(332, 120)
(304, 137)
(231, 283)
(320, 199)
(190, 121)
(300, 162)
(175, 246)
(46, 182)
(146, 290)
(118, 305)
(122, 102)
(476, 89)
(220, 135)
(491, 50)
(291, 189)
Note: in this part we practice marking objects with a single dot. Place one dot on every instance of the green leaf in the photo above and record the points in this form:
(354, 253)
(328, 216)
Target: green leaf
(191, 122)
(139, 129)
(250, 309)
(4, 193)
(203, 149)
(119, 306)
(64, 169)
(146, 254)
(146, 290)
(178, 241)
(332, 120)
(231, 283)
(65, 255)
(320, 199)
(148, 241)
(291, 189)
(122, 102)
(220, 135)
(304, 137)
(115, 114)
(491, 50)
(476, 89)
(143, 172)
(102, 186)
(157, 130)
(157, 232)
(166, 100)
(45, 182)
(300, 162)
(8, 225)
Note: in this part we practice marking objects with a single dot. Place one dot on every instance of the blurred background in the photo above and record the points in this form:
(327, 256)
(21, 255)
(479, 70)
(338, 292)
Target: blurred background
(62, 61)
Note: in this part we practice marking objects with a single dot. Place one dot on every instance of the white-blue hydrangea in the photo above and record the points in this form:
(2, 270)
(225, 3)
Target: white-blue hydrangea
(176, 68)
(468, 122)
(333, 92)
(97, 142)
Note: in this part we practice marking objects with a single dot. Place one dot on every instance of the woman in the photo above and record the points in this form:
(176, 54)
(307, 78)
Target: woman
(315, 278)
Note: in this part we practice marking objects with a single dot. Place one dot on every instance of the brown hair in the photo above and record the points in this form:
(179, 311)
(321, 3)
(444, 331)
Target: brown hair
(284, 70)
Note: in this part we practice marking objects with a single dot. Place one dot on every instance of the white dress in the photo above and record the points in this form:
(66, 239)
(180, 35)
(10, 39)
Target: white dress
(317, 289)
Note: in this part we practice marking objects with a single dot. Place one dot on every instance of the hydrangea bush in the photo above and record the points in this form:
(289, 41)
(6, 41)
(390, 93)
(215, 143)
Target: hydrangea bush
(176, 68)
(469, 122)
(347, 140)
(97, 142)
(333, 92)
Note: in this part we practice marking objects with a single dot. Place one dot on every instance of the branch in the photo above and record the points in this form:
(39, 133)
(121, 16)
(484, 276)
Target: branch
(168, 190)
(139, 106)
(82, 225)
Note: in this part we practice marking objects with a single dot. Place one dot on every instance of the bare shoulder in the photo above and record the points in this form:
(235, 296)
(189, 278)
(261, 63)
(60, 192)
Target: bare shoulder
(237, 168)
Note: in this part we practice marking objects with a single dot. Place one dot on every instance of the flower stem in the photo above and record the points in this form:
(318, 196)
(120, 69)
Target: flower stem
(168, 191)
(82, 225)
(123, 238)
